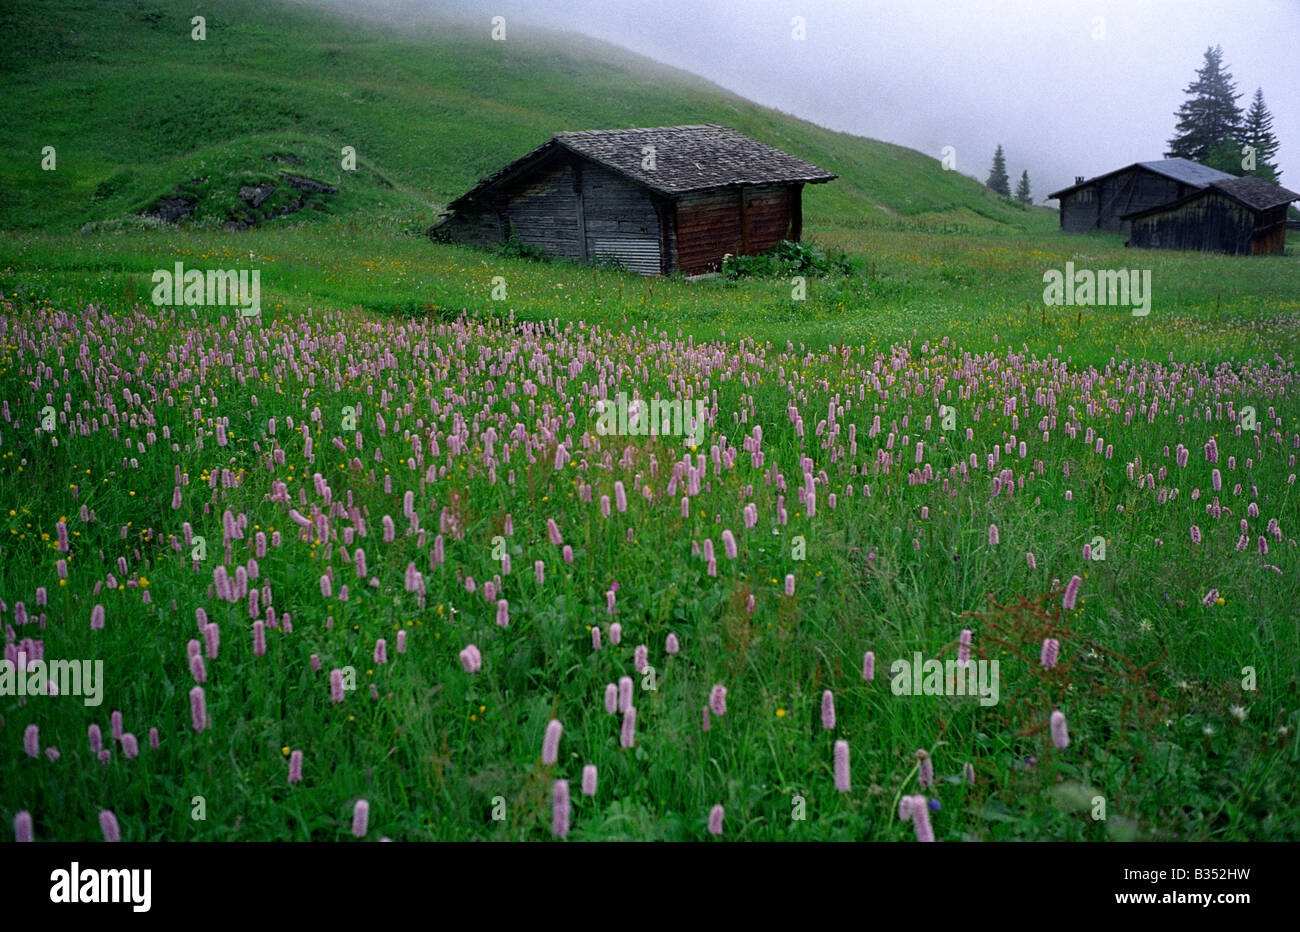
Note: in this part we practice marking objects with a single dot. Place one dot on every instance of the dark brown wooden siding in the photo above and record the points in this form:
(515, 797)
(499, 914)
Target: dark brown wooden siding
(1213, 223)
(710, 225)
(540, 208)
(1100, 205)
(768, 213)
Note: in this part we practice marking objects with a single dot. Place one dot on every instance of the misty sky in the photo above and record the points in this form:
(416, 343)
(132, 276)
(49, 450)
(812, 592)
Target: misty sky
(967, 73)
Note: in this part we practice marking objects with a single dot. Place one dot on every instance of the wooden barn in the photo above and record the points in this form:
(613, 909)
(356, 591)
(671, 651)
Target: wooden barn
(1241, 217)
(1102, 203)
(657, 200)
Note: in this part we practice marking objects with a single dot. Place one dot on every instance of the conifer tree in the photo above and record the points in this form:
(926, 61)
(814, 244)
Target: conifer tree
(1022, 189)
(1257, 132)
(998, 180)
(1210, 116)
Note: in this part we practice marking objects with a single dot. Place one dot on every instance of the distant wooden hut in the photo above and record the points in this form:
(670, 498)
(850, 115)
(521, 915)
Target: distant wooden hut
(656, 200)
(1102, 203)
(1240, 217)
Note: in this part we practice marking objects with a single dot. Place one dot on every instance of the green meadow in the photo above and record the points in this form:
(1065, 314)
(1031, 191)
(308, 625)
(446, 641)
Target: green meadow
(418, 419)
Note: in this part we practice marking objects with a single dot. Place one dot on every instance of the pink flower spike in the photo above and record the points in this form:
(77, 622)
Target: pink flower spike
(963, 648)
(381, 651)
(295, 767)
(471, 659)
(789, 584)
(624, 693)
(1071, 593)
(595, 638)
(108, 825)
(32, 741)
(916, 809)
(1060, 735)
(611, 698)
(503, 613)
(259, 638)
(130, 747)
(925, 775)
(716, 815)
(589, 780)
(670, 644)
(23, 827)
(1051, 649)
(718, 700)
(360, 818)
(869, 666)
(551, 741)
(615, 633)
(560, 809)
(828, 710)
(842, 766)
(336, 685)
(628, 736)
(198, 709)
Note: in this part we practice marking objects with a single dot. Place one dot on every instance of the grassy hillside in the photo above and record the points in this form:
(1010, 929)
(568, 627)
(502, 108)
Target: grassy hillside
(138, 111)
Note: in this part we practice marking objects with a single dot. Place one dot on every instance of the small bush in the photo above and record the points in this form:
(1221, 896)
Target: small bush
(786, 259)
(515, 248)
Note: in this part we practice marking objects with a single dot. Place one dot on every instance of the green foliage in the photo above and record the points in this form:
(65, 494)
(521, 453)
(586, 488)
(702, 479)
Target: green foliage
(998, 182)
(1210, 115)
(785, 259)
(516, 248)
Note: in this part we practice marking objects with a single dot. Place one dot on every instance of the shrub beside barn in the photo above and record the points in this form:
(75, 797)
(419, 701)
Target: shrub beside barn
(656, 200)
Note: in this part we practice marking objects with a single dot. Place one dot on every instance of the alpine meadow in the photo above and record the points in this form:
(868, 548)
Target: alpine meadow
(321, 520)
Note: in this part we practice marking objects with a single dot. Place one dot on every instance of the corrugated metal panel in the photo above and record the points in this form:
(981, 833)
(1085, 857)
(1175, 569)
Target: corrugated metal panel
(1187, 171)
(636, 253)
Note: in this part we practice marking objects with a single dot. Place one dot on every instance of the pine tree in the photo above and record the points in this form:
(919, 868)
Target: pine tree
(1257, 132)
(1210, 116)
(998, 180)
(1022, 189)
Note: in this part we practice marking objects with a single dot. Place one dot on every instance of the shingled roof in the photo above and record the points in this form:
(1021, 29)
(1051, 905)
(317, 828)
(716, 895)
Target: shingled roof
(1184, 170)
(686, 158)
(1255, 193)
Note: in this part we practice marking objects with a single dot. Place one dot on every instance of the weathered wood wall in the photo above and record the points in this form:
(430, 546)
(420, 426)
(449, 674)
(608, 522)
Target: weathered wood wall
(539, 207)
(1212, 223)
(622, 220)
(1100, 206)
